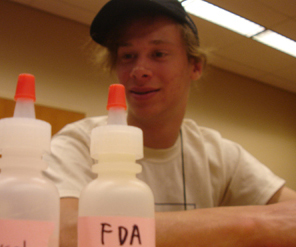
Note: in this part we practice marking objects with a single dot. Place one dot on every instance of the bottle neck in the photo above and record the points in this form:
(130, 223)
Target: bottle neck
(117, 115)
(118, 175)
(23, 171)
(24, 152)
(24, 108)
(27, 158)
(117, 163)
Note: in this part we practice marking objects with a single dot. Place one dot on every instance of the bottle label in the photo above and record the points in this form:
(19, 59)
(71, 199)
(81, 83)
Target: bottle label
(116, 231)
(25, 233)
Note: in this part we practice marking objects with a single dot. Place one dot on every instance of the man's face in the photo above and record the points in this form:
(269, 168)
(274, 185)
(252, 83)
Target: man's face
(153, 65)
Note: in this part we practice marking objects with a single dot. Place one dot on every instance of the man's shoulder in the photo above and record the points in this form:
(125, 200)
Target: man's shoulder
(192, 128)
(83, 126)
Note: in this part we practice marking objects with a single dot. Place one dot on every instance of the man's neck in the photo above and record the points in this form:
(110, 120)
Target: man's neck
(158, 134)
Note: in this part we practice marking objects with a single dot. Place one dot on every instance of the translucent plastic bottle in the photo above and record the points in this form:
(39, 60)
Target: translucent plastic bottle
(29, 203)
(116, 209)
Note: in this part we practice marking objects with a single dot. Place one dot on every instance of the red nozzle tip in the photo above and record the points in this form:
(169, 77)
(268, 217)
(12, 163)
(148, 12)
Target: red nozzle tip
(25, 87)
(116, 97)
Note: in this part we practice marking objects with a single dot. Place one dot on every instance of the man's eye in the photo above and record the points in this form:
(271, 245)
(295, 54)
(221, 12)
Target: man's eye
(126, 57)
(159, 54)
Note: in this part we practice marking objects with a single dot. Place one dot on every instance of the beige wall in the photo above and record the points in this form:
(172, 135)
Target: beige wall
(259, 117)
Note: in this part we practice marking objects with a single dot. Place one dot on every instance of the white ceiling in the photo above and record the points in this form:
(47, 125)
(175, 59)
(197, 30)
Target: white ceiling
(226, 50)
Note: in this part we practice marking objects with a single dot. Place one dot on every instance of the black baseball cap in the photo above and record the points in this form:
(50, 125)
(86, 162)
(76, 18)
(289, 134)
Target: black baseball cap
(115, 11)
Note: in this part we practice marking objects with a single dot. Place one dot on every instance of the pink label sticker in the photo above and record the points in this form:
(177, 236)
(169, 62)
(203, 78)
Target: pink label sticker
(25, 233)
(116, 231)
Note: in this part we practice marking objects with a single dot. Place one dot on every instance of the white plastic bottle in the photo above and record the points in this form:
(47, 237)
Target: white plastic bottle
(29, 203)
(116, 209)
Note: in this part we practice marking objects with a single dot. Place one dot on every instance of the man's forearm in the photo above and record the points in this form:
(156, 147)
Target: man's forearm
(270, 225)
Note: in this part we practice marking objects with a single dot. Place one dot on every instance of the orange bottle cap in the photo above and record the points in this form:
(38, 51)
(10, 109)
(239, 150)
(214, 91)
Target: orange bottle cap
(116, 97)
(25, 87)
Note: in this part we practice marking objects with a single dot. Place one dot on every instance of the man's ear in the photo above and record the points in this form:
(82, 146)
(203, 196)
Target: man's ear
(196, 70)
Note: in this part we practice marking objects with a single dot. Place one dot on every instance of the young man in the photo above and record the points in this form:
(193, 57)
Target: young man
(194, 173)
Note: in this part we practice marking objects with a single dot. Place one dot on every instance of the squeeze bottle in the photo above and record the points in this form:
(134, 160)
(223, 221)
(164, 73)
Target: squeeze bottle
(116, 209)
(29, 203)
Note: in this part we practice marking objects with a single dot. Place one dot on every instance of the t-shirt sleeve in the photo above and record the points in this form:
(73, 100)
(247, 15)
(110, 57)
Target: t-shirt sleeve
(249, 182)
(69, 163)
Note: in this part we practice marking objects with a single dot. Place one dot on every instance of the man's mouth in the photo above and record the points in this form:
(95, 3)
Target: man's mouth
(144, 92)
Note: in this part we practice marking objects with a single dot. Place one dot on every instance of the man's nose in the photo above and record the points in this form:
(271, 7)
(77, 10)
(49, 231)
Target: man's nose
(140, 72)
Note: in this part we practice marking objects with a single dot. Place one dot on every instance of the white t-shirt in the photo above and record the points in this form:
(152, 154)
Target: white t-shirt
(214, 171)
